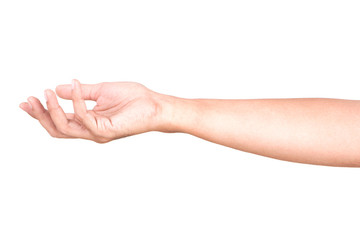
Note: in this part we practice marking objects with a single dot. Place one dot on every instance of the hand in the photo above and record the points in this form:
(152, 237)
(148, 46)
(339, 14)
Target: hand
(122, 109)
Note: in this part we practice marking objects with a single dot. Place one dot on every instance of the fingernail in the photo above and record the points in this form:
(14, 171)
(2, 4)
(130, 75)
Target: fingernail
(46, 95)
(30, 99)
(21, 106)
(30, 105)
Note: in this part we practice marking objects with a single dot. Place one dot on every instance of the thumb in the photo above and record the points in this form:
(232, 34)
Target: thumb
(89, 91)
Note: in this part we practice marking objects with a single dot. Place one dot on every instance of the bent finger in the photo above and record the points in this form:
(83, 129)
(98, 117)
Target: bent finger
(38, 112)
(26, 106)
(87, 119)
(60, 119)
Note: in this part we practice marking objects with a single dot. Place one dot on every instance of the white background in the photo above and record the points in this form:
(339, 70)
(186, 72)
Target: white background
(173, 186)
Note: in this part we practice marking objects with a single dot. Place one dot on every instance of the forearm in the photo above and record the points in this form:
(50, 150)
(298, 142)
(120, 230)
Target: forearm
(316, 131)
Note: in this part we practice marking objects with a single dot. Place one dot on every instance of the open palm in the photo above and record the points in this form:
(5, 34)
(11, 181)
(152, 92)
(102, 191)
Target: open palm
(122, 109)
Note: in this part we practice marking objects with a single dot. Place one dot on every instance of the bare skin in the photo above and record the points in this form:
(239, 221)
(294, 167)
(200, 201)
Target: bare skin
(314, 131)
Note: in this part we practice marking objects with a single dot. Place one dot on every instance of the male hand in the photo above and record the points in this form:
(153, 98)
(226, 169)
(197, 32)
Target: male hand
(123, 109)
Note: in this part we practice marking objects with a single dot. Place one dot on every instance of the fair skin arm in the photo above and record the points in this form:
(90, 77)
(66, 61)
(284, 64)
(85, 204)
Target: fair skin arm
(314, 131)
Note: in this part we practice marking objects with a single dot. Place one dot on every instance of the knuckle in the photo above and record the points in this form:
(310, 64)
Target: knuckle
(54, 134)
(63, 128)
(53, 109)
(78, 117)
(80, 114)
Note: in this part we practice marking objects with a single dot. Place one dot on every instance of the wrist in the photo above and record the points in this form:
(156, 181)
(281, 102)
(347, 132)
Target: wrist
(177, 114)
